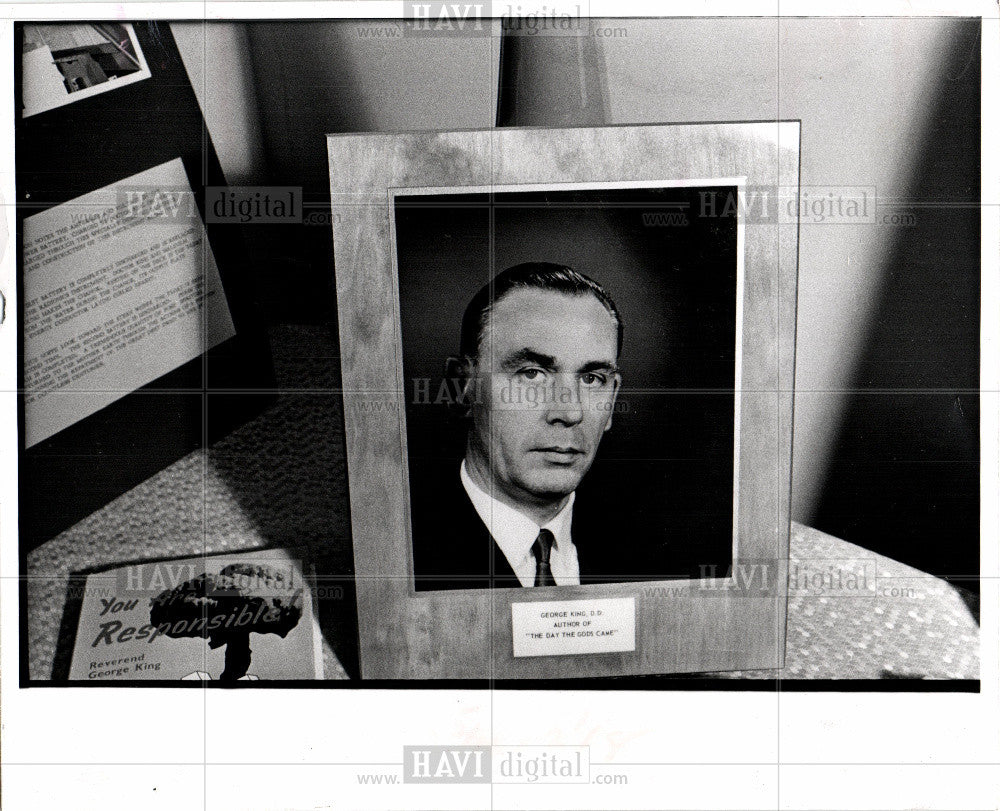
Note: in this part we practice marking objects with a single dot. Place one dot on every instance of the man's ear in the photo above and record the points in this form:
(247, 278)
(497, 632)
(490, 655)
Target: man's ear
(460, 374)
(614, 398)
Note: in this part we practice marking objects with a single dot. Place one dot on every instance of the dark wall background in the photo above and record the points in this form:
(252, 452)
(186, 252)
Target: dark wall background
(903, 477)
(668, 458)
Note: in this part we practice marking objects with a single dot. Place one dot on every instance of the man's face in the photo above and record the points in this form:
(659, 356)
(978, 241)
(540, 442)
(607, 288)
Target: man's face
(547, 380)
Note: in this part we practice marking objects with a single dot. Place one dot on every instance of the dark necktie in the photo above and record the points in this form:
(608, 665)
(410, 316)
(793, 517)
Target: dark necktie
(541, 549)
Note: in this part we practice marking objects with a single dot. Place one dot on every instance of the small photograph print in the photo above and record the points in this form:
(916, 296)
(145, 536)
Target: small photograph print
(65, 62)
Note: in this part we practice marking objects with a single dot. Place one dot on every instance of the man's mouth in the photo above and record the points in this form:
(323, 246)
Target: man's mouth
(564, 452)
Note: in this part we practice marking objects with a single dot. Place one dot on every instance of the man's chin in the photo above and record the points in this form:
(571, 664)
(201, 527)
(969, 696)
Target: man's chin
(552, 488)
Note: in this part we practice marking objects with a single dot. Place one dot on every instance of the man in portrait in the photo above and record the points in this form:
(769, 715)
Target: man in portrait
(537, 379)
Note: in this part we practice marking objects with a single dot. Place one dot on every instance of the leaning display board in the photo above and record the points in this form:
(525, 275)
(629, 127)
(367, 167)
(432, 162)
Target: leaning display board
(584, 331)
(138, 328)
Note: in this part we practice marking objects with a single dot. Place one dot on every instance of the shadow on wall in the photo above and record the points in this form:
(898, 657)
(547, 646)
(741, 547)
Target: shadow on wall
(315, 77)
(903, 479)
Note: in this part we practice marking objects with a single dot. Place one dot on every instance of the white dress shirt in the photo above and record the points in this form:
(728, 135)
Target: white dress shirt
(515, 533)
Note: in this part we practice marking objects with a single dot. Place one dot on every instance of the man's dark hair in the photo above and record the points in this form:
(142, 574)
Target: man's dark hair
(529, 275)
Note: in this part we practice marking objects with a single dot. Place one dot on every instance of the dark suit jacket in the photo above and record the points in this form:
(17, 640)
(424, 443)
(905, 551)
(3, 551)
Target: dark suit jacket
(453, 549)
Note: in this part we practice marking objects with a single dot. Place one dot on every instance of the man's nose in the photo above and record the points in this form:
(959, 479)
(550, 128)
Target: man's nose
(565, 404)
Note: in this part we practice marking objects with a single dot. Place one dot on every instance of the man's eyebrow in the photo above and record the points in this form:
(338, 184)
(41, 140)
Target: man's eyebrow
(535, 358)
(528, 355)
(599, 366)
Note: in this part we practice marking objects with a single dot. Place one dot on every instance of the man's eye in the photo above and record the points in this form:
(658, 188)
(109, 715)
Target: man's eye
(530, 375)
(592, 379)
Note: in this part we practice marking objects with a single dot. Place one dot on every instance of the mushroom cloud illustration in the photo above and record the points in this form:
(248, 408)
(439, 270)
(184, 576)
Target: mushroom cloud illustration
(225, 608)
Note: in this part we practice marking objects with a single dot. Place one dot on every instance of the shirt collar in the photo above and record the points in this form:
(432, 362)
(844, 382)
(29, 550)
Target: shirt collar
(513, 531)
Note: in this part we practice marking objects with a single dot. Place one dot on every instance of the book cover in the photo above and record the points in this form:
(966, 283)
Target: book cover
(231, 617)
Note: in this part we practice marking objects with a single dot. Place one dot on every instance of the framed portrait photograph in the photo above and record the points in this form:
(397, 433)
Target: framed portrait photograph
(568, 361)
